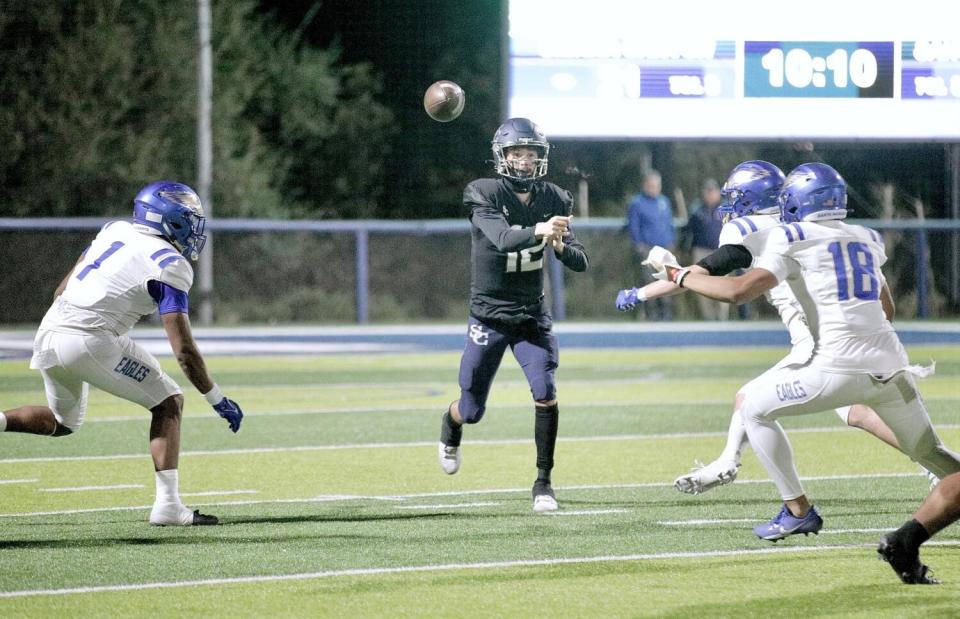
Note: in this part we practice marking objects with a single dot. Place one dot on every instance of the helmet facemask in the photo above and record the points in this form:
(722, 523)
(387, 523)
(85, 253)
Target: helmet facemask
(515, 163)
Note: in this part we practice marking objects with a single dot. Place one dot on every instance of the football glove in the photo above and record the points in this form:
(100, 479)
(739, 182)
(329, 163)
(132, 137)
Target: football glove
(658, 259)
(628, 299)
(230, 410)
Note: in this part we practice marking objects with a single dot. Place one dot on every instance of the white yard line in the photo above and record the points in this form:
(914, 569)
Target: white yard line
(423, 495)
(18, 481)
(443, 567)
(419, 444)
(91, 488)
(450, 505)
(219, 492)
(586, 512)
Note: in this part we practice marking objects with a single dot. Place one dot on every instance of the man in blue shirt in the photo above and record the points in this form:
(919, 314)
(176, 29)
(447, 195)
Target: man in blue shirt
(703, 230)
(650, 223)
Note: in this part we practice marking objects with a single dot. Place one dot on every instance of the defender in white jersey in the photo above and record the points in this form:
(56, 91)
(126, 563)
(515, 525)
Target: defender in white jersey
(833, 269)
(750, 206)
(129, 270)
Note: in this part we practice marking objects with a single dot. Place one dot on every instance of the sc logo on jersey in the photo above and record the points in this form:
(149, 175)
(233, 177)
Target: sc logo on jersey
(478, 335)
(791, 391)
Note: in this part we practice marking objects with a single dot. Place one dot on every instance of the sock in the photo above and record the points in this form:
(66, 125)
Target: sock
(913, 534)
(545, 434)
(3, 422)
(736, 439)
(450, 431)
(168, 486)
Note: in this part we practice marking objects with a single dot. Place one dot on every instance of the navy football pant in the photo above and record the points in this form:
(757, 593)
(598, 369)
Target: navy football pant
(536, 351)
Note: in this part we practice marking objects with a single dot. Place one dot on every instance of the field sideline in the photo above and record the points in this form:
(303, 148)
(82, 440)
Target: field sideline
(332, 502)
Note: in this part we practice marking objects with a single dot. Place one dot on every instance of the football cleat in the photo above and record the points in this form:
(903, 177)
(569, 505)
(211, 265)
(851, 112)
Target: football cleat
(905, 563)
(449, 458)
(543, 497)
(786, 524)
(177, 515)
(704, 478)
(932, 478)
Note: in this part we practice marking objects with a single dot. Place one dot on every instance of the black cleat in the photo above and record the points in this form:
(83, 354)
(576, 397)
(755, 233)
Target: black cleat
(203, 520)
(905, 563)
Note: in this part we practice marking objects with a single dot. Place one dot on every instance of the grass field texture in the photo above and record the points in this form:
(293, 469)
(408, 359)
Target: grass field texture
(332, 502)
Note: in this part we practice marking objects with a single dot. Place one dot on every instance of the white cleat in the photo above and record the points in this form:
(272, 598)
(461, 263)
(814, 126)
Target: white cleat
(932, 478)
(449, 458)
(704, 478)
(178, 515)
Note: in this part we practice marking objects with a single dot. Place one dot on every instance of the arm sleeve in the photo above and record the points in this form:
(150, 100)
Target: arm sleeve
(495, 227)
(168, 298)
(574, 256)
(727, 259)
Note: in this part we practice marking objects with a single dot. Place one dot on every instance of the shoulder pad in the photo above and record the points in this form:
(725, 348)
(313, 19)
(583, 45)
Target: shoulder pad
(732, 233)
(175, 271)
(480, 191)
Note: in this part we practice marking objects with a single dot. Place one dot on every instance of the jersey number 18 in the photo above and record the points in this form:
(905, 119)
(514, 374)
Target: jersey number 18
(866, 285)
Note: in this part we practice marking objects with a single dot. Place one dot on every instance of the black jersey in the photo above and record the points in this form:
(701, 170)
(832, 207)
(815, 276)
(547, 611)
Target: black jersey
(507, 260)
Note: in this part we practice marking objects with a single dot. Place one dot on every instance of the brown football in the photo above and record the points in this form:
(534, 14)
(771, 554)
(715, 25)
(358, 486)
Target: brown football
(443, 101)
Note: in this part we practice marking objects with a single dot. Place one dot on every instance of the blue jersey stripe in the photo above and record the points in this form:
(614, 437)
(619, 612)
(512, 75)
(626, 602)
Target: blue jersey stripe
(789, 234)
(799, 230)
(167, 261)
(161, 252)
(739, 226)
(750, 223)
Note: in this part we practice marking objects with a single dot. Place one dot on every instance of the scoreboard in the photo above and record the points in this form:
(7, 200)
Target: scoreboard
(731, 69)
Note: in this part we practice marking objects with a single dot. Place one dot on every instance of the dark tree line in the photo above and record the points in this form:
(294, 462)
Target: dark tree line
(98, 97)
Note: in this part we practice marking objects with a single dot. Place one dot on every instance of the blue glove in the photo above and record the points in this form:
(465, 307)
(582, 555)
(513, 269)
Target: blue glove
(230, 410)
(627, 299)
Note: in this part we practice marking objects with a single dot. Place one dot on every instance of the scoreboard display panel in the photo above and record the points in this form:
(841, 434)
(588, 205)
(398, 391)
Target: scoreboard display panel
(878, 70)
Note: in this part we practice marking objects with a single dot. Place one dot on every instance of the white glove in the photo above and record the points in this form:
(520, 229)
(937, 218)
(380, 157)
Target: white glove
(657, 259)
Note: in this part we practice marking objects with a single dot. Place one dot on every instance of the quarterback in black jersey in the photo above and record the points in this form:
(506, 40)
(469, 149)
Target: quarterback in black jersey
(516, 219)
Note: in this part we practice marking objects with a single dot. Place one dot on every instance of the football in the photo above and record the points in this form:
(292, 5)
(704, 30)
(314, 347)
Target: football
(444, 101)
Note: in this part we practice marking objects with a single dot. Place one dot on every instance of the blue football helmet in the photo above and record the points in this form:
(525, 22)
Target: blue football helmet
(752, 188)
(171, 210)
(813, 192)
(520, 132)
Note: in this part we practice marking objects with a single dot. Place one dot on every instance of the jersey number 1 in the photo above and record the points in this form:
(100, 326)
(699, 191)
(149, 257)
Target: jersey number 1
(866, 285)
(96, 263)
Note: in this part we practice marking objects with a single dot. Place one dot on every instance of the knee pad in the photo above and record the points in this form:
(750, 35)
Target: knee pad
(471, 411)
(544, 388)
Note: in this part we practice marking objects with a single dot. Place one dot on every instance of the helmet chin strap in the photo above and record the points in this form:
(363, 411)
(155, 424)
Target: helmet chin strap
(521, 186)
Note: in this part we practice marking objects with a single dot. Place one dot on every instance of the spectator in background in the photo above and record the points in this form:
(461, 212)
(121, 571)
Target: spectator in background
(703, 230)
(650, 223)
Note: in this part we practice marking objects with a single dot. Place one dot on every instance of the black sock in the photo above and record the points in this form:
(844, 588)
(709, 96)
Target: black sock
(913, 534)
(450, 431)
(545, 434)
